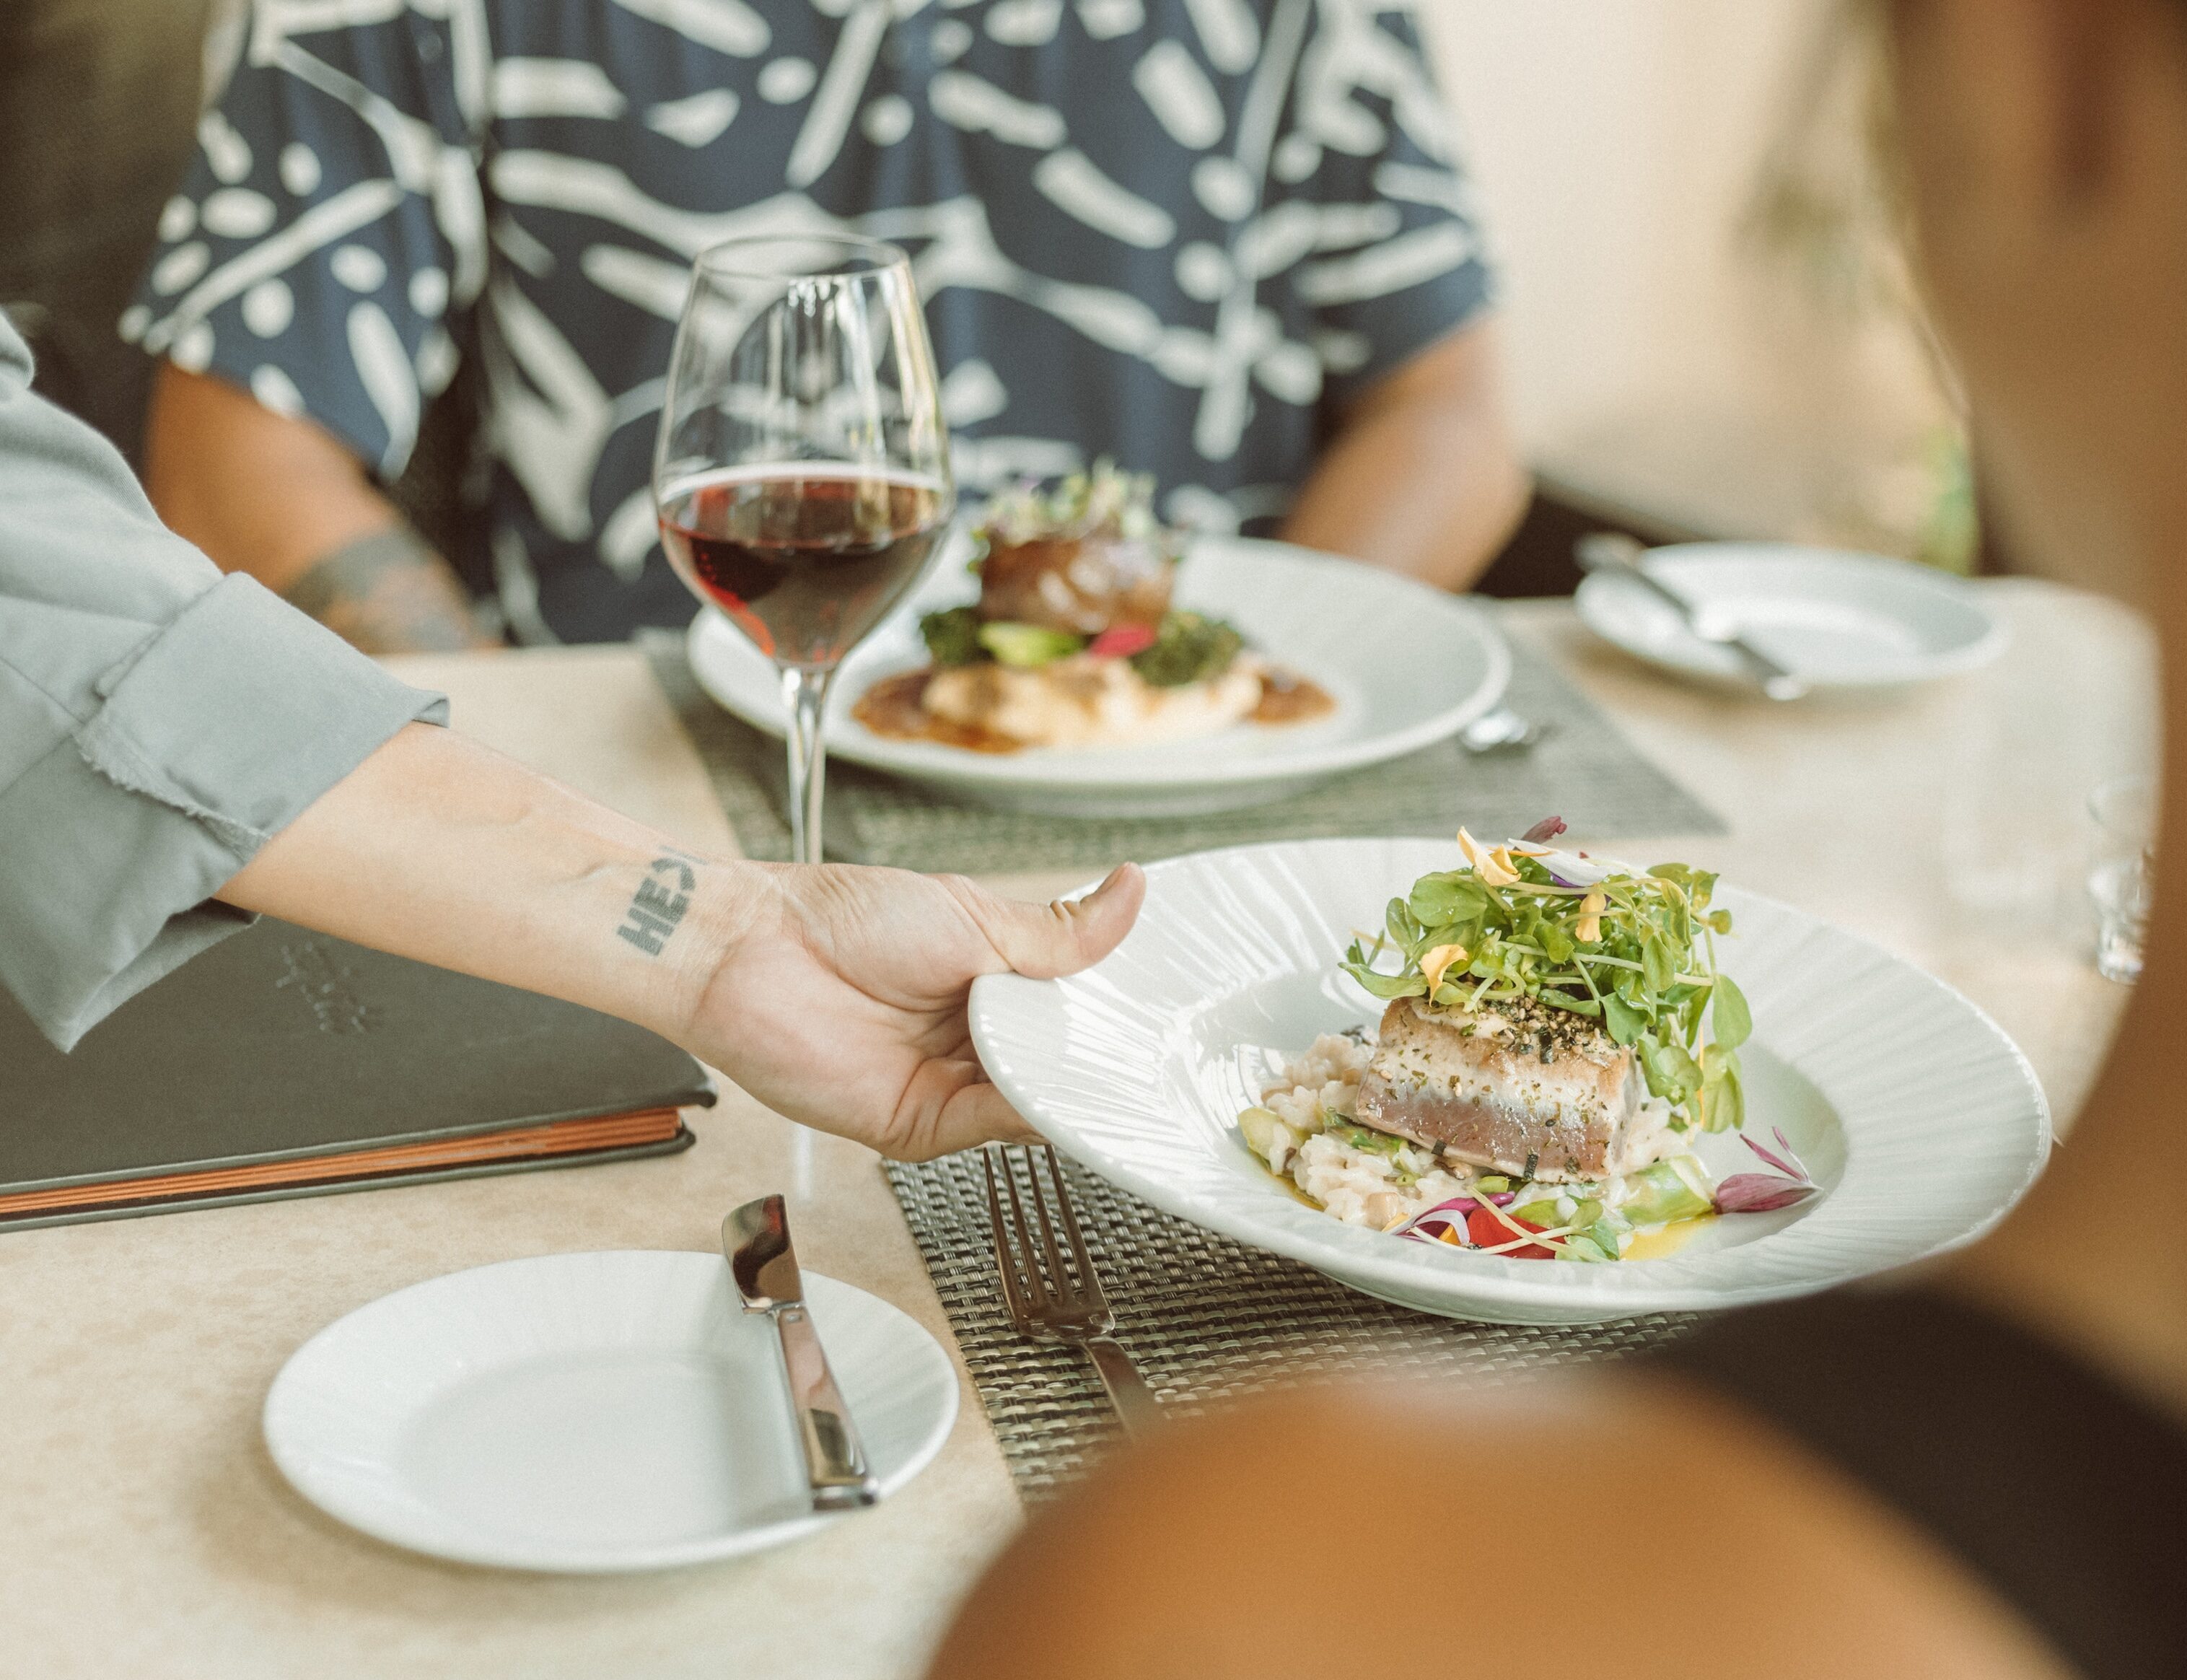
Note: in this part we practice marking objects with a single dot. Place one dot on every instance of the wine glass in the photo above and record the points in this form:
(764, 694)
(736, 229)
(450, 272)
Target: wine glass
(802, 476)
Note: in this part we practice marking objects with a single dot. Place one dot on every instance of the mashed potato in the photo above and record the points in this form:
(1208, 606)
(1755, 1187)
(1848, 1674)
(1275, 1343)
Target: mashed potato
(1087, 702)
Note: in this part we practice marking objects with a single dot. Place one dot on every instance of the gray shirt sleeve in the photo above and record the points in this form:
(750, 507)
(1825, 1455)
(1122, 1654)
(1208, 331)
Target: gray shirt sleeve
(158, 721)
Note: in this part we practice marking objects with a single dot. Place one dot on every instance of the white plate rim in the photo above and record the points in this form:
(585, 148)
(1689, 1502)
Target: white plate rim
(1596, 591)
(301, 1474)
(1112, 768)
(1603, 1291)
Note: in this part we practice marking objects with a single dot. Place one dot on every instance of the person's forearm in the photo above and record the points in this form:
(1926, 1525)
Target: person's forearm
(439, 849)
(1430, 495)
(1423, 476)
(278, 498)
(835, 995)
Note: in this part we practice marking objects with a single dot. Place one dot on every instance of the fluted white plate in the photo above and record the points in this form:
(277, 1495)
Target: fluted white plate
(590, 1413)
(1919, 1117)
(1408, 665)
(1836, 619)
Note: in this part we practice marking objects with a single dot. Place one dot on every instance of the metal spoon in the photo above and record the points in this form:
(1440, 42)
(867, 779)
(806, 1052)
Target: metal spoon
(1502, 730)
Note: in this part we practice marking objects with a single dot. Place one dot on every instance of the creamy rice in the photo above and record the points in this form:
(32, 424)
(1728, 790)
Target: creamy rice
(1361, 1187)
(1299, 1129)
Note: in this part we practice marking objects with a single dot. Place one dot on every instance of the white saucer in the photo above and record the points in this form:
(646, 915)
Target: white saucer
(590, 1413)
(1836, 620)
(1409, 665)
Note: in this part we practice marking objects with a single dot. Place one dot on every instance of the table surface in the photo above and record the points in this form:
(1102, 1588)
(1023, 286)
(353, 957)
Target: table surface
(144, 1531)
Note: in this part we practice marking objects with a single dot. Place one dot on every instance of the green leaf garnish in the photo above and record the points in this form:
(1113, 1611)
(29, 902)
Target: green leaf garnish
(1189, 648)
(1647, 971)
(1723, 1093)
(1626, 1023)
(1731, 1022)
(1441, 900)
(952, 638)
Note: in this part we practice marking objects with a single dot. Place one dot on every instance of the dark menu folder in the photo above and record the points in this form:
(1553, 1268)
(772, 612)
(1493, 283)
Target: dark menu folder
(284, 1063)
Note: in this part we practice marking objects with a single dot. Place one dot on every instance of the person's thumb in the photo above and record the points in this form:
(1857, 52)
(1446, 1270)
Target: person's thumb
(1042, 941)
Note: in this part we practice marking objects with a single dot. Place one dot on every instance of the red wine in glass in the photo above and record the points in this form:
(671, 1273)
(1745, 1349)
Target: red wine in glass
(805, 557)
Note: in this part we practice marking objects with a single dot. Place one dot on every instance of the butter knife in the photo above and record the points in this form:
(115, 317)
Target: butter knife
(1613, 551)
(755, 1237)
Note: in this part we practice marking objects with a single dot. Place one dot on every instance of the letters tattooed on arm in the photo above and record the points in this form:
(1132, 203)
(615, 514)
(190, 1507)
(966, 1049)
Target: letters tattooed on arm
(663, 897)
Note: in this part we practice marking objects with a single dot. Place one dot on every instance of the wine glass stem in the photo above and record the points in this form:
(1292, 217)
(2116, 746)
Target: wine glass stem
(804, 696)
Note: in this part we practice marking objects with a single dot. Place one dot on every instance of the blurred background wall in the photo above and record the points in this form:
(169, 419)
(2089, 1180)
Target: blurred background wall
(1702, 326)
(99, 100)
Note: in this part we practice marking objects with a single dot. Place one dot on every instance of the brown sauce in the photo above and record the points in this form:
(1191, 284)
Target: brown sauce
(891, 709)
(1288, 699)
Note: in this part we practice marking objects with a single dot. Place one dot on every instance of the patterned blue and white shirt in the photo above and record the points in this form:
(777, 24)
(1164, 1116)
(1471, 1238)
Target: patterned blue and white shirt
(1173, 232)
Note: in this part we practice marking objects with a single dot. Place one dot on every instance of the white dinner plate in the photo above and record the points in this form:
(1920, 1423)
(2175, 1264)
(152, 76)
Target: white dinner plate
(1407, 665)
(590, 1413)
(1917, 1116)
(1836, 620)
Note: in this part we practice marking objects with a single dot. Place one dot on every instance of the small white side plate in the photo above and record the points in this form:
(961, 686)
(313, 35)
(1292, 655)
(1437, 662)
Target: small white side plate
(1407, 665)
(590, 1413)
(1836, 620)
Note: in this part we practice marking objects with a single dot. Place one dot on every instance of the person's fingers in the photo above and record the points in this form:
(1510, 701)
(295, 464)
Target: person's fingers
(950, 1107)
(1042, 941)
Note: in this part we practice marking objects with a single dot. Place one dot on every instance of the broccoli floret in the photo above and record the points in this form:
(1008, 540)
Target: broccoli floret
(1189, 647)
(952, 638)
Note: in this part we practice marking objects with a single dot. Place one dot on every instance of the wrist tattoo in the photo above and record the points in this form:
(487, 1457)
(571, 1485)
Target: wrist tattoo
(387, 593)
(663, 896)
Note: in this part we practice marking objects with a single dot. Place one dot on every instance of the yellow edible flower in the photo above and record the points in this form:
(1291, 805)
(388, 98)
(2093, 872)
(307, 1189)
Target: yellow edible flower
(1438, 961)
(1590, 916)
(1495, 867)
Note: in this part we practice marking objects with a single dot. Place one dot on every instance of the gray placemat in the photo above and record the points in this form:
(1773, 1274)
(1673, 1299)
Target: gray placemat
(1204, 1317)
(1583, 770)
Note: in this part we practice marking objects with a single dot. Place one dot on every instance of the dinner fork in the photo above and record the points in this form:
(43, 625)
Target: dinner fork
(1051, 1304)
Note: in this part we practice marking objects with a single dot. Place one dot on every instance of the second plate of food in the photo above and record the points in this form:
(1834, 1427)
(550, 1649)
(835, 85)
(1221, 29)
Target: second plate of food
(1396, 1109)
(1404, 666)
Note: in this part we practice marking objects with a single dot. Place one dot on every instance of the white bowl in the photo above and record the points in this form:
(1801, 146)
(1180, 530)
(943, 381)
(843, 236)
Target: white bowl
(1836, 620)
(1408, 664)
(1920, 1118)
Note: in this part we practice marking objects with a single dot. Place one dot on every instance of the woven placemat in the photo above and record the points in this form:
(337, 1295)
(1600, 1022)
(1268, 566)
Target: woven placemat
(1204, 1317)
(1583, 770)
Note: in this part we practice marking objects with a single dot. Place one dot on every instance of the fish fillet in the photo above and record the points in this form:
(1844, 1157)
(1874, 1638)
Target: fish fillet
(1519, 1087)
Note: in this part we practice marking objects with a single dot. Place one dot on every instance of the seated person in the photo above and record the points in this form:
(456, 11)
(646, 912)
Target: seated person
(1227, 242)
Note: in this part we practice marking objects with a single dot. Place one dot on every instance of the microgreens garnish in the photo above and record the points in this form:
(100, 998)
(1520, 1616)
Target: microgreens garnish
(1633, 951)
(1103, 502)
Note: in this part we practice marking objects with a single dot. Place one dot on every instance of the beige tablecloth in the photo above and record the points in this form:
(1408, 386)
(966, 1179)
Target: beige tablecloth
(144, 1532)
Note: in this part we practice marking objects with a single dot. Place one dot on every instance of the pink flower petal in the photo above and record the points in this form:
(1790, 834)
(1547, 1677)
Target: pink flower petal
(1759, 1193)
(1791, 1168)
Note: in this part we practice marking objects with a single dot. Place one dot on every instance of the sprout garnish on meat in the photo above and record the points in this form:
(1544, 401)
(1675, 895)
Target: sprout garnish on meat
(1520, 929)
(1635, 950)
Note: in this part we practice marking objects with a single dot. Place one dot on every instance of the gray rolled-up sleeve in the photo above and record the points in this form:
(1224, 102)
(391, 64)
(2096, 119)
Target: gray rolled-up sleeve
(158, 721)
